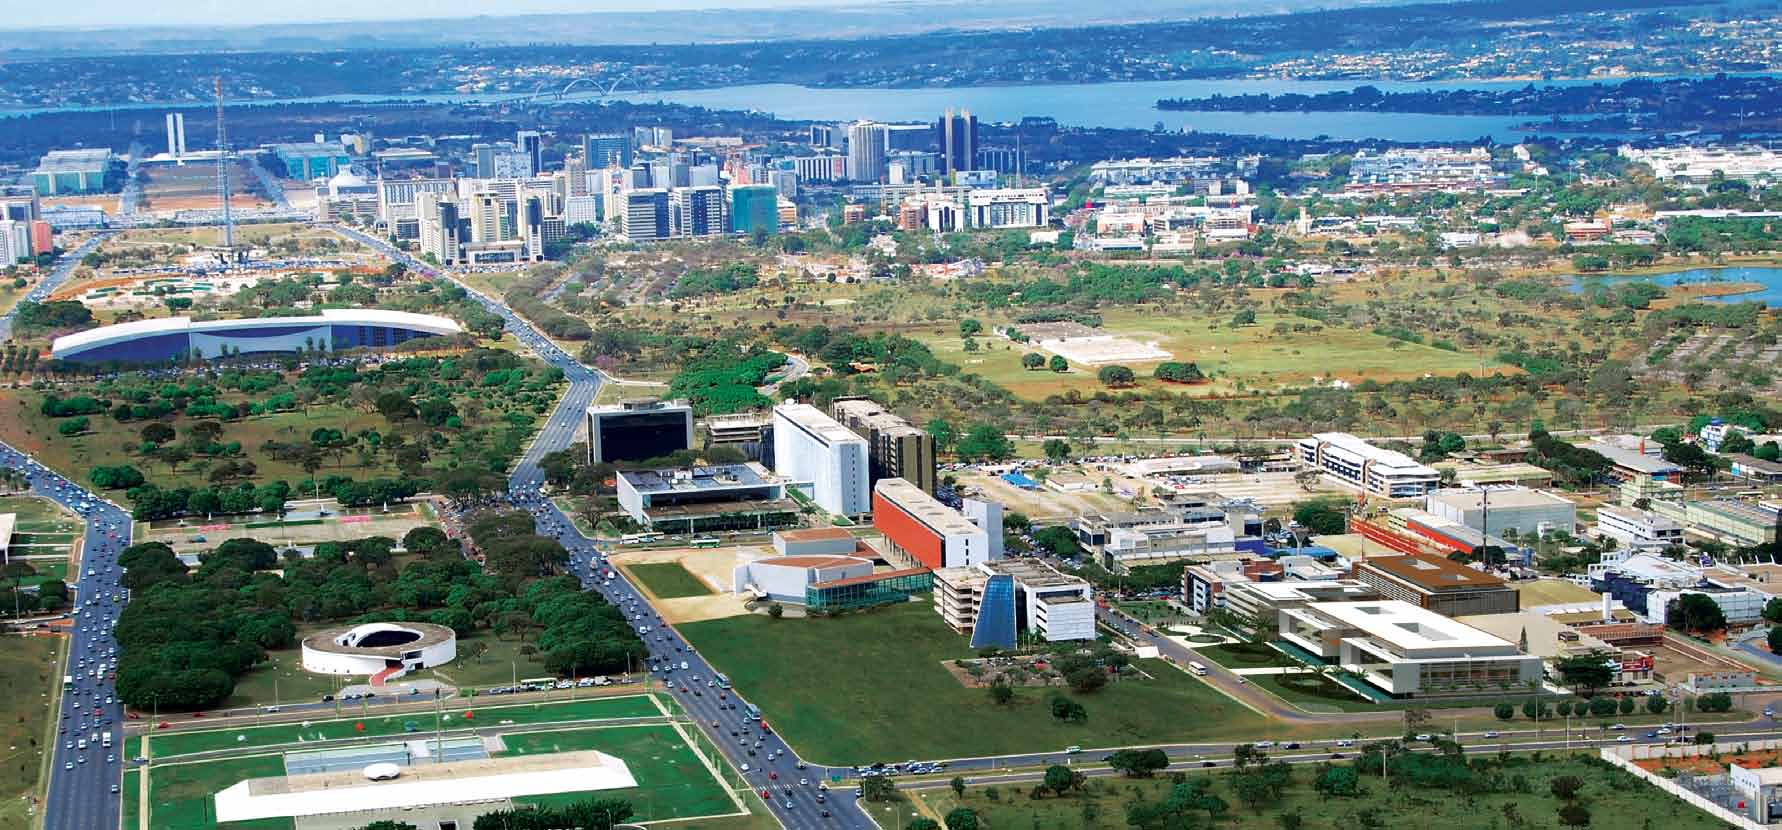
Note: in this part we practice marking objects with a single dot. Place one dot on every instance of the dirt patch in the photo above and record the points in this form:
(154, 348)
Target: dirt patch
(1709, 765)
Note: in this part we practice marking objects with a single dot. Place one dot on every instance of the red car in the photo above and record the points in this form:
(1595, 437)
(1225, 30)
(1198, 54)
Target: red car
(163, 725)
(197, 714)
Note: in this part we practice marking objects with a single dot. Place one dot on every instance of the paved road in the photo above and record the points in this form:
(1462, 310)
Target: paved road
(718, 713)
(59, 273)
(82, 781)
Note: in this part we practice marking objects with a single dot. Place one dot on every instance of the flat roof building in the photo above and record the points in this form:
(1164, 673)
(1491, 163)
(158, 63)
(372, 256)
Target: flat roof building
(706, 499)
(63, 172)
(812, 449)
(1407, 651)
(1754, 469)
(179, 338)
(1361, 465)
(640, 429)
(923, 530)
(1493, 510)
(992, 601)
(1626, 464)
(1637, 529)
(1438, 584)
(895, 447)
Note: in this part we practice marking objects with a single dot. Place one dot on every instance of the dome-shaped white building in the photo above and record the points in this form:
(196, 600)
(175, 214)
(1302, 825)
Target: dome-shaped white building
(379, 650)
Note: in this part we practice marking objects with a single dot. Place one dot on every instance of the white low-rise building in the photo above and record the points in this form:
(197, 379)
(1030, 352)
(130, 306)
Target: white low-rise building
(1494, 510)
(1357, 463)
(1637, 529)
(1408, 651)
(992, 601)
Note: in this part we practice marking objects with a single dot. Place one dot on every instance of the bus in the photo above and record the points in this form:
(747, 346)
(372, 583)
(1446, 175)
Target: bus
(704, 542)
(1196, 667)
(753, 711)
(67, 682)
(722, 681)
(639, 538)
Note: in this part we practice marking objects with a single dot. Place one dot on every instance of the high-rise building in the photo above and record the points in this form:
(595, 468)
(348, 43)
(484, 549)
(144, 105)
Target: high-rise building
(866, 151)
(958, 138)
(699, 211)
(925, 531)
(440, 232)
(895, 447)
(810, 448)
(908, 137)
(644, 215)
(823, 135)
(19, 202)
(652, 136)
(15, 241)
(636, 430)
(603, 150)
(531, 142)
(176, 134)
(754, 207)
(43, 237)
(1004, 160)
(501, 160)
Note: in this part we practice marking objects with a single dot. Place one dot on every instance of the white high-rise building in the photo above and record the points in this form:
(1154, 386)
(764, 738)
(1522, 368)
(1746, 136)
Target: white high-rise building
(644, 215)
(866, 151)
(176, 134)
(809, 446)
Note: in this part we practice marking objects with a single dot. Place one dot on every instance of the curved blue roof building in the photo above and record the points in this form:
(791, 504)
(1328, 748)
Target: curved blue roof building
(175, 338)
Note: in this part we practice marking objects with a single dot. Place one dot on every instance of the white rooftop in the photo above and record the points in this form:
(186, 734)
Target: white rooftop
(816, 422)
(1473, 499)
(1407, 627)
(1397, 462)
(328, 316)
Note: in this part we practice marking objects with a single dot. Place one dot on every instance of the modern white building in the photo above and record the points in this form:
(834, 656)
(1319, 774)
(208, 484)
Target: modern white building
(1493, 510)
(1357, 463)
(811, 447)
(785, 578)
(922, 530)
(1008, 208)
(992, 601)
(178, 338)
(1636, 529)
(1408, 651)
(380, 651)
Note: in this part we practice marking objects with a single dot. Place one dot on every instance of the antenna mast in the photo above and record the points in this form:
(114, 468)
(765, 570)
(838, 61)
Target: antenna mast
(223, 175)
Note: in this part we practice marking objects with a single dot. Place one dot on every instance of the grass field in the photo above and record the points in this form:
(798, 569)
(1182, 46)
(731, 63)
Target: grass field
(28, 671)
(1244, 656)
(130, 794)
(671, 781)
(483, 660)
(668, 580)
(842, 690)
(174, 744)
(38, 515)
(1614, 798)
(180, 794)
(1255, 356)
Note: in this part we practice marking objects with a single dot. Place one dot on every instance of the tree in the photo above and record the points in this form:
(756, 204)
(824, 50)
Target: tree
(958, 786)
(1001, 693)
(943, 433)
(1058, 364)
(1343, 782)
(1573, 814)
(877, 788)
(1087, 679)
(157, 433)
(962, 818)
(1175, 372)
(1602, 707)
(73, 426)
(969, 327)
(1115, 376)
(985, 442)
(1656, 704)
(1138, 763)
(1772, 610)
(922, 823)
(1504, 711)
(1057, 450)
(1695, 613)
(1322, 516)
(1033, 360)
(1059, 778)
(1244, 317)
(1626, 706)
(1566, 787)
(1588, 672)
(1774, 638)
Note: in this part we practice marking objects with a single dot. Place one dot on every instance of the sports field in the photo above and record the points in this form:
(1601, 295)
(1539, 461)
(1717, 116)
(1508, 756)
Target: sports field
(668, 580)
(671, 781)
(841, 690)
(169, 745)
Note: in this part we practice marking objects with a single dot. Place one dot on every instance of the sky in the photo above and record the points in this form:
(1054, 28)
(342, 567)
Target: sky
(121, 13)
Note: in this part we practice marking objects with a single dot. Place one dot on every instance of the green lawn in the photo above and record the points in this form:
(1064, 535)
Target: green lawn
(185, 743)
(1318, 694)
(668, 580)
(1616, 801)
(870, 686)
(1245, 656)
(671, 781)
(38, 515)
(131, 791)
(1254, 355)
(483, 660)
(29, 672)
(180, 794)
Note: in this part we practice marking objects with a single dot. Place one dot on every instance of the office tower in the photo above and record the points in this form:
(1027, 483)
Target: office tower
(637, 430)
(809, 446)
(895, 447)
(702, 175)
(19, 202)
(531, 142)
(501, 160)
(754, 207)
(575, 174)
(15, 241)
(652, 136)
(785, 182)
(699, 211)
(958, 137)
(823, 135)
(866, 151)
(1004, 160)
(644, 215)
(43, 237)
(661, 174)
(603, 150)
(439, 227)
(909, 136)
(176, 134)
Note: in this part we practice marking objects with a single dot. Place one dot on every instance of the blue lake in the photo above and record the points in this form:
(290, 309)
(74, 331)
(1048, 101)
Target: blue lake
(1770, 278)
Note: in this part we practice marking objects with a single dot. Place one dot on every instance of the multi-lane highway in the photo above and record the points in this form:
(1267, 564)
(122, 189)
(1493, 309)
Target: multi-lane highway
(85, 772)
(59, 273)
